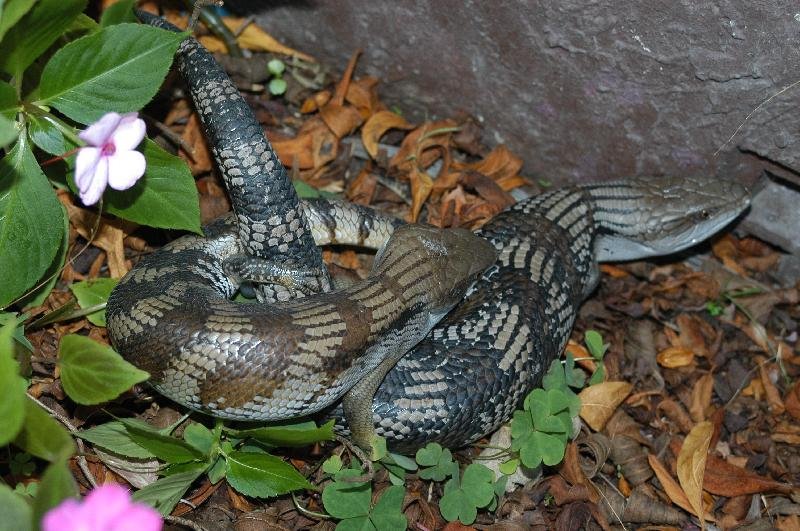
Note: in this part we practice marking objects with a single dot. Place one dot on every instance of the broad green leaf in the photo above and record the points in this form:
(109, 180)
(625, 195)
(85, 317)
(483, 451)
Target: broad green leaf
(12, 406)
(9, 103)
(509, 467)
(599, 375)
(118, 12)
(37, 295)
(42, 436)
(217, 471)
(165, 493)
(263, 475)
(165, 197)
(57, 485)
(46, 136)
(359, 523)
(11, 11)
(332, 465)
(402, 461)
(17, 514)
(200, 437)
(31, 222)
(36, 31)
(554, 378)
(114, 437)
(165, 447)
(388, 511)
(342, 499)
(8, 131)
(92, 373)
(292, 435)
(91, 293)
(119, 68)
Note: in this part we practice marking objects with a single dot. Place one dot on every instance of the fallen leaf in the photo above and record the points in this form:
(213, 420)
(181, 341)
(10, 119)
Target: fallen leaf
(343, 85)
(725, 479)
(424, 145)
(792, 401)
(421, 186)
(674, 357)
(199, 160)
(341, 119)
(315, 101)
(773, 395)
(692, 464)
(613, 271)
(363, 95)
(675, 412)
(598, 402)
(671, 487)
(251, 37)
(701, 397)
(376, 127)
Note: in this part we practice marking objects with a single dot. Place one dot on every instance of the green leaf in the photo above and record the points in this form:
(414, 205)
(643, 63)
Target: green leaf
(165, 197)
(276, 67)
(572, 376)
(114, 437)
(438, 459)
(594, 342)
(119, 68)
(305, 190)
(332, 465)
(91, 293)
(165, 493)
(19, 331)
(9, 103)
(343, 499)
(599, 375)
(462, 499)
(35, 32)
(46, 136)
(11, 11)
(290, 435)
(165, 447)
(401, 460)
(509, 467)
(17, 514)
(42, 436)
(36, 296)
(277, 86)
(217, 471)
(31, 222)
(117, 13)
(200, 437)
(8, 131)
(263, 475)
(554, 377)
(92, 373)
(56, 486)
(12, 406)
(387, 513)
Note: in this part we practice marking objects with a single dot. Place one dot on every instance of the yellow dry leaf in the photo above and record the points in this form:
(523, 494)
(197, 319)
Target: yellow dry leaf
(421, 186)
(253, 38)
(598, 402)
(701, 397)
(376, 127)
(671, 487)
(674, 357)
(692, 464)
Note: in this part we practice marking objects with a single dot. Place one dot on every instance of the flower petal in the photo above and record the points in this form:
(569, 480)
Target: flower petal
(124, 169)
(85, 166)
(95, 186)
(67, 516)
(106, 505)
(99, 132)
(129, 133)
(137, 517)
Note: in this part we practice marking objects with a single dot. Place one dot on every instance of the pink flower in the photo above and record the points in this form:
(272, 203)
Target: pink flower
(109, 158)
(106, 508)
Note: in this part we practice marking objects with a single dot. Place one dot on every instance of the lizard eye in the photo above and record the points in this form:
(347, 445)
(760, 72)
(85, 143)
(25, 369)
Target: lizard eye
(705, 214)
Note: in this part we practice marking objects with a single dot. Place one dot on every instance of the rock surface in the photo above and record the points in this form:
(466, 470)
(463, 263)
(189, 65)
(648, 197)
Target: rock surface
(582, 90)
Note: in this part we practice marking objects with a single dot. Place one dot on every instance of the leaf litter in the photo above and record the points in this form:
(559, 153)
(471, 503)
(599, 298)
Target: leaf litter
(698, 412)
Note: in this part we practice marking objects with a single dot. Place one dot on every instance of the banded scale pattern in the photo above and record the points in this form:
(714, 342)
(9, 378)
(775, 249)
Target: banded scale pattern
(172, 317)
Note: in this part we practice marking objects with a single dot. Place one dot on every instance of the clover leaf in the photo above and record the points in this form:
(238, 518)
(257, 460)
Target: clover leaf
(540, 432)
(351, 504)
(462, 498)
(438, 460)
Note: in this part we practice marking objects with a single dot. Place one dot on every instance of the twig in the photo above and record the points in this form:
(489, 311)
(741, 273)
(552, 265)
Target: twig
(82, 463)
(171, 135)
(185, 522)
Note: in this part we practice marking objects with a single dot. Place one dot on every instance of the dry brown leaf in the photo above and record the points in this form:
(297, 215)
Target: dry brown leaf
(199, 160)
(671, 487)
(598, 402)
(498, 165)
(376, 127)
(315, 101)
(613, 271)
(675, 412)
(421, 186)
(692, 464)
(363, 95)
(251, 37)
(572, 471)
(693, 334)
(674, 357)
(773, 395)
(343, 85)
(424, 145)
(725, 479)
(341, 119)
(792, 401)
(701, 397)
(294, 152)
(726, 249)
